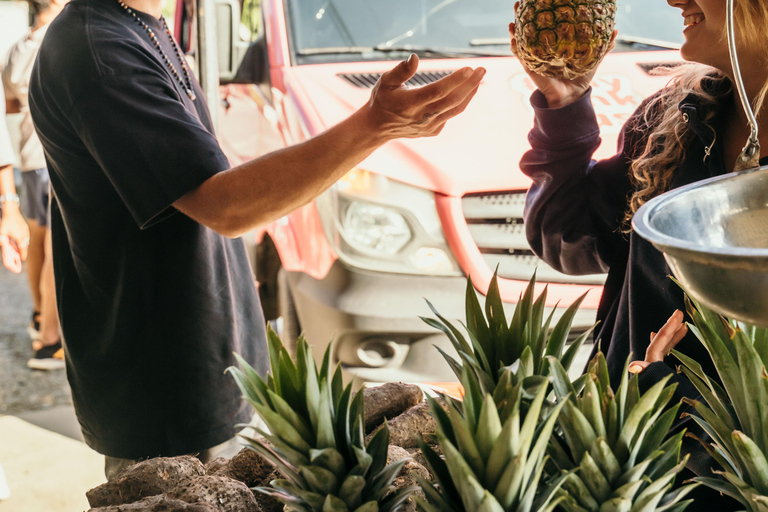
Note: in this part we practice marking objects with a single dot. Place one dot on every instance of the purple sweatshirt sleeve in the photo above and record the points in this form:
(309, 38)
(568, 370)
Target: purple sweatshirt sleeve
(575, 207)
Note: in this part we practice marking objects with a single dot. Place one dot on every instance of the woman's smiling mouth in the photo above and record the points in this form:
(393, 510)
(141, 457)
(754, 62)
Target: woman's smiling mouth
(693, 19)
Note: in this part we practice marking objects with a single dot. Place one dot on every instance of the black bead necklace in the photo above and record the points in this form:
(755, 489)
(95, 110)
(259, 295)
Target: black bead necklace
(186, 86)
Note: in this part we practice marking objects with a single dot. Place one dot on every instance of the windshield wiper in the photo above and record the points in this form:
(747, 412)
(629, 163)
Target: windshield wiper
(644, 41)
(622, 39)
(421, 51)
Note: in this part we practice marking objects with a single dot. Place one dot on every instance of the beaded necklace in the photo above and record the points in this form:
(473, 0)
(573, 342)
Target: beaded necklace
(186, 86)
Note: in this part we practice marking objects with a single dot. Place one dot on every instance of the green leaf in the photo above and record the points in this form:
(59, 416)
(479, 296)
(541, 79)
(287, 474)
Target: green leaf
(639, 411)
(507, 491)
(319, 479)
(559, 335)
(494, 309)
(282, 408)
(326, 437)
(477, 326)
(560, 381)
(573, 349)
(753, 460)
(328, 458)
(576, 487)
(351, 491)
(371, 506)
(312, 499)
(577, 430)
(489, 427)
(277, 423)
(462, 475)
(489, 504)
(590, 405)
(606, 460)
(334, 504)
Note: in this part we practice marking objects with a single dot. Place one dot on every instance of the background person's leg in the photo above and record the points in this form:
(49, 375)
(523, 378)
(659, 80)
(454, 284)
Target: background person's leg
(49, 317)
(34, 267)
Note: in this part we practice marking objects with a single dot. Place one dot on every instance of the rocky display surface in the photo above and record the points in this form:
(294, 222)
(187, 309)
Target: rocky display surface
(184, 484)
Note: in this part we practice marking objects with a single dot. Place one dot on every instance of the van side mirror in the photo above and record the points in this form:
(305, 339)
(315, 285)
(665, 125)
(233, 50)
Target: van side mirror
(239, 61)
(231, 48)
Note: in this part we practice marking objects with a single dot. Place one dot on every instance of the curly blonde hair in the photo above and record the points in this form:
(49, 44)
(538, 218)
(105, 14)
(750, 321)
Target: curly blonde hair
(669, 135)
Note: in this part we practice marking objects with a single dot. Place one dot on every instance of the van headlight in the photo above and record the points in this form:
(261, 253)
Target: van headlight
(375, 223)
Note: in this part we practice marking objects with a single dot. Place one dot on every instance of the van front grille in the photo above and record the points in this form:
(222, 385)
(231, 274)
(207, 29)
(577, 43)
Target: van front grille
(495, 221)
(368, 80)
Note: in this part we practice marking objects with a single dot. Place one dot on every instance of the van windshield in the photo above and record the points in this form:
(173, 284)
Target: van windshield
(342, 30)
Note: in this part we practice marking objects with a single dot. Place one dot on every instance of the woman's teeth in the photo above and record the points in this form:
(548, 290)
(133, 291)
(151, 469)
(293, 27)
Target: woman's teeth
(693, 19)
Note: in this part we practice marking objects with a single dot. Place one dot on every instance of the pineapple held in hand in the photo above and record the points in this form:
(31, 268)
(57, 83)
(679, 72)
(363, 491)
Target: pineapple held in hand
(563, 38)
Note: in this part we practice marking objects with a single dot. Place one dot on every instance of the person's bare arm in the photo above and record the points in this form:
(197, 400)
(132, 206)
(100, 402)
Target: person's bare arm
(255, 193)
(12, 223)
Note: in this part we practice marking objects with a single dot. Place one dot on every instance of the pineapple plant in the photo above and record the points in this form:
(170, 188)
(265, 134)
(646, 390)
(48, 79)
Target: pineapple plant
(734, 414)
(521, 346)
(613, 450)
(490, 464)
(316, 436)
(563, 38)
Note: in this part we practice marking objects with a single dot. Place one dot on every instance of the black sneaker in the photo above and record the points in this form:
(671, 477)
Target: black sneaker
(33, 329)
(50, 357)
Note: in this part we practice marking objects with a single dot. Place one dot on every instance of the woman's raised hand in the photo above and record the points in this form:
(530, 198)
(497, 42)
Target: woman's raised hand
(662, 343)
(558, 92)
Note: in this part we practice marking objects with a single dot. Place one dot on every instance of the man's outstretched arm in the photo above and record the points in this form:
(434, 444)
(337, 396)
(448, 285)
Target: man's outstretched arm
(258, 192)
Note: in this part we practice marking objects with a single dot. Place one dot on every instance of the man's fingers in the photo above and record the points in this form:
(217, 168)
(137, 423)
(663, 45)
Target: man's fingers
(458, 109)
(401, 73)
(446, 85)
(459, 95)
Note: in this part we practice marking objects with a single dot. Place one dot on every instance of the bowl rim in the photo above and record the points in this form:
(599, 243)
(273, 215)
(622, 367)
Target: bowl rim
(641, 221)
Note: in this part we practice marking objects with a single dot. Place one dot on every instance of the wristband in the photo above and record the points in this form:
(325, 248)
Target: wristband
(9, 198)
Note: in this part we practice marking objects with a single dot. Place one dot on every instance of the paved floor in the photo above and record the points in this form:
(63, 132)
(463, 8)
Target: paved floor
(45, 463)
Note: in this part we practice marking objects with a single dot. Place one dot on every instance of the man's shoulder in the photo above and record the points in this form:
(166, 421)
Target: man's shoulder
(91, 36)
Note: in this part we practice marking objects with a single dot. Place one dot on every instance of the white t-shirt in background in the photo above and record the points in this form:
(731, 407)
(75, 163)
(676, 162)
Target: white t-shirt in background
(16, 74)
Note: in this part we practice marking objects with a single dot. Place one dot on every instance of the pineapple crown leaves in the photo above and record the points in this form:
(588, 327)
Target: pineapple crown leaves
(616, 445)
(490, 464)
(316, 436)
(522, 345)
(732, 412)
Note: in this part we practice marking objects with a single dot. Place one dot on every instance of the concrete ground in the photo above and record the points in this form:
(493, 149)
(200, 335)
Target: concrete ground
(46, 465)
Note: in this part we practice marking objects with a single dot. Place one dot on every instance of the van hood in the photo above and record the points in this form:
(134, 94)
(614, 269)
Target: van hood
(480, 149)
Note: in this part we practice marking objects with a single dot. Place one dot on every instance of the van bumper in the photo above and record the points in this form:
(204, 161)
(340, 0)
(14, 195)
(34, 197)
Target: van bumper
(374, 322)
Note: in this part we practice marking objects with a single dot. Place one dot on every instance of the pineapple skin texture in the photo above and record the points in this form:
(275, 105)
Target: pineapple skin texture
(563, 39)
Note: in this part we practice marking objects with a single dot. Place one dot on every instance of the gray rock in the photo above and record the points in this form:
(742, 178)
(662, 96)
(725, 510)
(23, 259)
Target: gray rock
(222, 494)
(389, 401)
(161, 503)
(147, 478)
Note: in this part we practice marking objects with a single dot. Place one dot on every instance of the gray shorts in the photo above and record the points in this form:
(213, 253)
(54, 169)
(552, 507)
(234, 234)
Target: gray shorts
(35, 190)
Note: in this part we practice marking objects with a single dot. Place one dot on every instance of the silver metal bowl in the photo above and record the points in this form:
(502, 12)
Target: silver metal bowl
(714, 235)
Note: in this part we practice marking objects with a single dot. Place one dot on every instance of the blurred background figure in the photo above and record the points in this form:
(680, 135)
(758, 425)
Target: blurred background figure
(17, 69)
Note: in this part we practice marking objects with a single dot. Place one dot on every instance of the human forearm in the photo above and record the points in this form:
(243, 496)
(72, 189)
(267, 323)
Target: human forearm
(239, 199)
(575, 204)
(269, 187)
(7, 183)
(12, 224)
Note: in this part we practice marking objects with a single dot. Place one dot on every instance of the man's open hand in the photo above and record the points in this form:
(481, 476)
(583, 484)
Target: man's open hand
(397, 111)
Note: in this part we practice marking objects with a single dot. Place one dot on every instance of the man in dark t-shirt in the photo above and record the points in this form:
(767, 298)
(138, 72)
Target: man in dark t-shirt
(154, 289)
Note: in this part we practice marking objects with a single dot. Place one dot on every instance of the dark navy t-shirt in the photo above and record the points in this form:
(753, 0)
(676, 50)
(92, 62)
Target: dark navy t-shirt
(152, 304)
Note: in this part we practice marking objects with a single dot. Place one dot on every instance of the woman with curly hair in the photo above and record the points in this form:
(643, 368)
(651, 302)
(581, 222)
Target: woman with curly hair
(578, 210)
